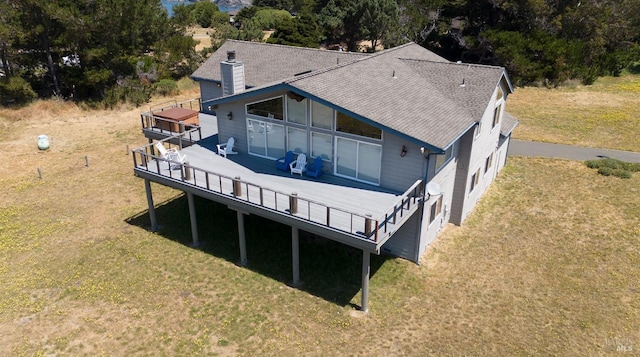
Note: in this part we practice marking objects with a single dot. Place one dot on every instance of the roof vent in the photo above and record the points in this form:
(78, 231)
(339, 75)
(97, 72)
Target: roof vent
(231, 56)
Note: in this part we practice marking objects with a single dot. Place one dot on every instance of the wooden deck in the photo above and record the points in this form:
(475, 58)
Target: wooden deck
(354, 213)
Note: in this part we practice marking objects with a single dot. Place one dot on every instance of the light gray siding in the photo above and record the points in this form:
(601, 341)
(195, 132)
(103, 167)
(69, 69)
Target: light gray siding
(404, 242)
(445, 178)
(399, 173)
(209, 90)
(478, 146)
(232, 77)
(461, 177)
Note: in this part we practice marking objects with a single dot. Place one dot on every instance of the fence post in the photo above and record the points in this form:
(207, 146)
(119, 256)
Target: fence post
(186, 171)
(367, 225)
(293, 203)
(237, 186)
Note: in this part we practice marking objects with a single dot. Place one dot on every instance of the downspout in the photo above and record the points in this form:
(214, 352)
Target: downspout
(422, 202)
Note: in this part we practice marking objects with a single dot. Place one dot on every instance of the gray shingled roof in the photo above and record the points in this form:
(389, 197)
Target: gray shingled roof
(407, 89)
(267, 63)
(425, 99)
(509, 122)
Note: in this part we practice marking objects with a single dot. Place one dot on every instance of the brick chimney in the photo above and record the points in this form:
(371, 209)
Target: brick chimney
(232, 75)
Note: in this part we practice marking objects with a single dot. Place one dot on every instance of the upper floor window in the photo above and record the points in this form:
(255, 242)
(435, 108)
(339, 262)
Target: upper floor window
(444, 158)
(296, 110)
(499, 94)
(271, 108)
(321, 116)
(478, 129)
(347, 124)
(488, 163)
(497, 113)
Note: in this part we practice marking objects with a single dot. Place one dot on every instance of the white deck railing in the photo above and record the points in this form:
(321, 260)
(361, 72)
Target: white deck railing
(362, 226)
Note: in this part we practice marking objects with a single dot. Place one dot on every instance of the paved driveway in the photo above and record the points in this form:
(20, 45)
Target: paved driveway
(531, 148)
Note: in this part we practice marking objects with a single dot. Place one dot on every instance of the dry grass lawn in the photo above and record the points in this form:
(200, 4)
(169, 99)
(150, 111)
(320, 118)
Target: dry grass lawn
(606, 114)
(548, 263)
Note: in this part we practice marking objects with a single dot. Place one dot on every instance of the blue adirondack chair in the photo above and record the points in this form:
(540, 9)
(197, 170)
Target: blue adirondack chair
(315, 168)
(283, 162)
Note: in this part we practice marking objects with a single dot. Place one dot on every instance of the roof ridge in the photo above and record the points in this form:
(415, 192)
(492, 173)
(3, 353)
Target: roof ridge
(466, 64)
(296, 47)
(340, 65)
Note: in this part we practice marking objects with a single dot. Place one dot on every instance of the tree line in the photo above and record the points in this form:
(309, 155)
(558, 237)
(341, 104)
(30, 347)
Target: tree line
(107, 51)
(89, 50)
(538, 41)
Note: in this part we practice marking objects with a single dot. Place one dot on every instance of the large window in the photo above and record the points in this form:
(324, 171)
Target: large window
(321, 116)
(296, 140)
(358, 160)
(270, 108)
(321, 146)
(347, 124)
(265, 139)
(297, 110)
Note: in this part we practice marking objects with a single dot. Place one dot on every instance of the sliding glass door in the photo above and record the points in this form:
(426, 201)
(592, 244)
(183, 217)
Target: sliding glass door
(265, 139)
(358, 160)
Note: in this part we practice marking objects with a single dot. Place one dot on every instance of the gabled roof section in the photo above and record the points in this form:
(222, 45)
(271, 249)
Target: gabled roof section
(407, 89)
(267, 63)
(509, 122)
(410, 90)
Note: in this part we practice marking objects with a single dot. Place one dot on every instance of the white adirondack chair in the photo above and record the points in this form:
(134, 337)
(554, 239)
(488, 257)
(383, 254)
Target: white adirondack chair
(227, 148)
(300, 165)
(172, 155)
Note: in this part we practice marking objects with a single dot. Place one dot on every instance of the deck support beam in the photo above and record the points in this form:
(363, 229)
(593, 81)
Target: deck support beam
(295, 253)
(242, 239)
(194, 222)
(366, 272)
(152, 209)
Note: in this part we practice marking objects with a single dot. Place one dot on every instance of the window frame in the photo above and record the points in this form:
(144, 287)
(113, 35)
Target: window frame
(347, 133)
(488, 163)
(311, 146)
(269, 115)
(311, 117)
(475, 180)
(286, 109)
(497, 114)
(435, 210)
(448, 155)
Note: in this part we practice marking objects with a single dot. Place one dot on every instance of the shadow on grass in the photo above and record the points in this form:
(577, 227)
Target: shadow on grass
(329, 270)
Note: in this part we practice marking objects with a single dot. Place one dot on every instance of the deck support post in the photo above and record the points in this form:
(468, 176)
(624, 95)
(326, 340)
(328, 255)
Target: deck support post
(295, 253)
(194, 223)
(242, 239)
(152, 209)
(366, 270)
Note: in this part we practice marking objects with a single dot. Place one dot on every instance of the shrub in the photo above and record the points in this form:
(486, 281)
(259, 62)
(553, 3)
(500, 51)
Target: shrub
(613, 167)
(17, 91)
(167, 87)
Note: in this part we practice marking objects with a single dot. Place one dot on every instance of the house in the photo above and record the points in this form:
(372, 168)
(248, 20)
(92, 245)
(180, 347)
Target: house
(407, 142)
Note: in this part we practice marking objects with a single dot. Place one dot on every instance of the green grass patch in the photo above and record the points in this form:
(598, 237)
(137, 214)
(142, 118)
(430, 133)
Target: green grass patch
(614, 167)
